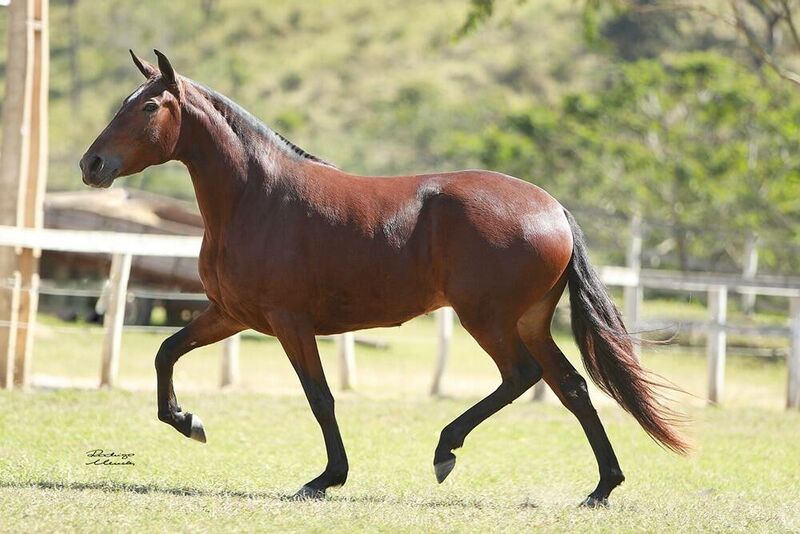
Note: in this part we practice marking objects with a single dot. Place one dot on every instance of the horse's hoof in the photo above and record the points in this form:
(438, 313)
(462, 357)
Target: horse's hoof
(307, 493)
(443, 468)
(197, 432)
(594, 502)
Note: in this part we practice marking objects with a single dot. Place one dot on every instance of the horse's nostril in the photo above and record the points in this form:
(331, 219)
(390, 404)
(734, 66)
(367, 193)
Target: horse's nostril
(97, 164)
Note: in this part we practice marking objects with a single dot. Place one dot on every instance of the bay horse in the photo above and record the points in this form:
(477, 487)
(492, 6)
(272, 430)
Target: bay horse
(294, 247)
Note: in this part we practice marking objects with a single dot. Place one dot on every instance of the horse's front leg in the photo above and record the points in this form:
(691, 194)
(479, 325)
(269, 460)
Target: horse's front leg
(296, 334)
(208, 327)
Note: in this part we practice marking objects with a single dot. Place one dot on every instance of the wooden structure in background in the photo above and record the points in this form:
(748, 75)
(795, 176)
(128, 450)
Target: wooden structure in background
(229, 375)
(444, 320)
(715, 345)
(23, 168)
(113, 318)
(122, 248)
(346, 344)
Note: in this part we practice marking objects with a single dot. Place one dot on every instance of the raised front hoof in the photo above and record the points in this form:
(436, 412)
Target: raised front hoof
(307, 493)
(594, 502)
(196, 430)
(443, 467)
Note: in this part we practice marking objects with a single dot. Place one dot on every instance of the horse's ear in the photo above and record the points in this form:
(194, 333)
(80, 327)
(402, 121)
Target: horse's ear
(144, 67)
(168, 73)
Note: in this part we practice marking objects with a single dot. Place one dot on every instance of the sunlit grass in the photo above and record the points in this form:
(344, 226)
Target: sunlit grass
(524, 469)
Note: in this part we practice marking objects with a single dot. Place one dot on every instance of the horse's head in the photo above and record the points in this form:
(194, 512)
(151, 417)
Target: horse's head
(144, 131)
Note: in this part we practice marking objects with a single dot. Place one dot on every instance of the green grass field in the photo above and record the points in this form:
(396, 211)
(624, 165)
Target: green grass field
(524, 469)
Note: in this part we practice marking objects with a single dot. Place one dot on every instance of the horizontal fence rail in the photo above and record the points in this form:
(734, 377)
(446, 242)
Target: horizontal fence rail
(123, 247)
(94, 242)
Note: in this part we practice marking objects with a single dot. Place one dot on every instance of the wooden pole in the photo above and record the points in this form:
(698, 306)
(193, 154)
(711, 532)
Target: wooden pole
(717, 305)
(230, 361)
(634, 295)
(13, 290)
(793, 362)
(444, 321)
(32, 188)
(347, 360)
(14, 163)
(114, 319)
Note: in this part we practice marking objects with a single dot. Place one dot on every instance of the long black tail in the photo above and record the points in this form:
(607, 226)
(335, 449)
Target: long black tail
(607, 349)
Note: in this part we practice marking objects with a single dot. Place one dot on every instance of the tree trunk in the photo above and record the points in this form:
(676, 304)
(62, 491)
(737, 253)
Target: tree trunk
(73, 51)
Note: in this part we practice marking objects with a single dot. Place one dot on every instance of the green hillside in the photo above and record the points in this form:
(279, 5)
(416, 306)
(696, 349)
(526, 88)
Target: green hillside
(326, 74)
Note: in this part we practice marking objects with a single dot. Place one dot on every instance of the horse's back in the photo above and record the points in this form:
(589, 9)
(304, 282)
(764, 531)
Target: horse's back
(469, 235)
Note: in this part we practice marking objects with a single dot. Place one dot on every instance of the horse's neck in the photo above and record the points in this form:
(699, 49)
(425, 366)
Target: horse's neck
(221, 165)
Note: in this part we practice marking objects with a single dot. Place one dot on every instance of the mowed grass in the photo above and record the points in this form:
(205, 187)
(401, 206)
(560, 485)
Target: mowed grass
(524, 469)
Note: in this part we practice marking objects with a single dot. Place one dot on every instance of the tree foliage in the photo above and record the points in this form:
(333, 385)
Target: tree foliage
(695, 142)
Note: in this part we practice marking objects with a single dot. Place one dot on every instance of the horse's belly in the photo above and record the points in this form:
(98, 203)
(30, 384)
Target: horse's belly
(372, 304)
(339, 295)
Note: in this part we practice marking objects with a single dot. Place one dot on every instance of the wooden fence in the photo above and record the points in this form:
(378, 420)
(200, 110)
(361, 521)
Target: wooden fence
(122, 247)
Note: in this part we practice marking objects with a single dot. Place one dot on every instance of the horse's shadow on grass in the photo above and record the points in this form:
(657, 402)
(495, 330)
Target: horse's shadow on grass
(123, 487)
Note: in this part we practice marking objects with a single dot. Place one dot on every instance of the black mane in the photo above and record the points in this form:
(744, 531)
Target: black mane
(238, 117)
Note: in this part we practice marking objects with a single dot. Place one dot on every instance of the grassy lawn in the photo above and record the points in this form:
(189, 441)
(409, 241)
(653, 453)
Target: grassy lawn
(524, 469)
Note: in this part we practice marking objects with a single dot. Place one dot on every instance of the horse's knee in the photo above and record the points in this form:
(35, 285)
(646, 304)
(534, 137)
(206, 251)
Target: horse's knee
(576, 394)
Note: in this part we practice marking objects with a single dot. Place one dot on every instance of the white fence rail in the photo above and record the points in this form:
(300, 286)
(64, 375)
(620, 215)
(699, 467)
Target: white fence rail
(123, 247)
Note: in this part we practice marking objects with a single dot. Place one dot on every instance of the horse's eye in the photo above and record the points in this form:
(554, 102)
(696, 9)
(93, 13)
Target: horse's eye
(150, 107)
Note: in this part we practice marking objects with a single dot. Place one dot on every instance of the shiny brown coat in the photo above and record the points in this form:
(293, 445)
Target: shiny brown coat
(294, 247)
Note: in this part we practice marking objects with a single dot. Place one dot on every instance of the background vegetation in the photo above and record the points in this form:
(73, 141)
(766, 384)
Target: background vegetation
(667, 114)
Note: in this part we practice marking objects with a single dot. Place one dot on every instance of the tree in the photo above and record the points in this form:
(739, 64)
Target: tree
(698, 144)
(761, 24)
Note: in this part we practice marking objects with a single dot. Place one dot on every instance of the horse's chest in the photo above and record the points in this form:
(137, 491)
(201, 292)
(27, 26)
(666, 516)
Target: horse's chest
(242, 275)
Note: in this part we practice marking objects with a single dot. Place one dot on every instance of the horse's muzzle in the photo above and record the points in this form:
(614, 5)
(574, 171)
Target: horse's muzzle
(99, 171)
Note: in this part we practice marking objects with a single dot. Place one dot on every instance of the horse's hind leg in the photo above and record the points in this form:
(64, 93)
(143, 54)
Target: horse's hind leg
(570, 387)
(518, 370)
(208, 327)
(296, 335)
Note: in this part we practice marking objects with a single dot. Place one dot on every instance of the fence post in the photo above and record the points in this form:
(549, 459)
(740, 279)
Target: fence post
(444, 322)
(8, 358)
(27, 307)
(230, 361)
(14, 161)
(114, 318)
(717, 305)
(30, 211)
(347, 360)
(633, 295)
(539, 391)
(793, 363)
